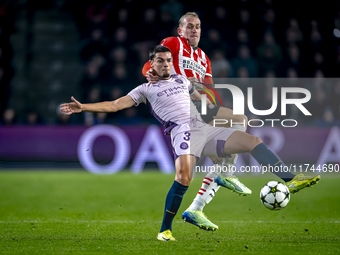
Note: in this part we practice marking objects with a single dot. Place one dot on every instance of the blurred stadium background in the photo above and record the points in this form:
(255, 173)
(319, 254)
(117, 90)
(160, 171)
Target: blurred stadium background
(95, 50)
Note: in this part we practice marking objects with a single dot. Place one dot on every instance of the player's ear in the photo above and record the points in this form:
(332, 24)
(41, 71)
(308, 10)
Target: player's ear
(179, 31)
(151, 63)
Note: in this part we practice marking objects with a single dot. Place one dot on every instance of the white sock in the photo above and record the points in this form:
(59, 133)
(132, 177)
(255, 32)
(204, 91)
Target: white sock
(228, 164)
(207, 191)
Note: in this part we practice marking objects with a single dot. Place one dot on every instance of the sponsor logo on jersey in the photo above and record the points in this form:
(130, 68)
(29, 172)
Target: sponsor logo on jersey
(173, 91)
(194, 66)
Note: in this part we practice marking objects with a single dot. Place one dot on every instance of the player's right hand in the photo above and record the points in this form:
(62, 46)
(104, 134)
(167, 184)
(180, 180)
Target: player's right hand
(195, 82)
(152, 76)
(73, 107)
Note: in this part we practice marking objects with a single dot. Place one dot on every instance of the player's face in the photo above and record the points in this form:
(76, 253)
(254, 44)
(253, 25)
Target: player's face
(191, 29)
(162, 63)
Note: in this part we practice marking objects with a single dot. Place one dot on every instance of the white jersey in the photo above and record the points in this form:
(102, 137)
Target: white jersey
(169, 100)
(170, 103)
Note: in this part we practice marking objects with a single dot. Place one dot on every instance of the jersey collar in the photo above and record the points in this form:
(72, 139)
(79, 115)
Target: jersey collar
(194, 48)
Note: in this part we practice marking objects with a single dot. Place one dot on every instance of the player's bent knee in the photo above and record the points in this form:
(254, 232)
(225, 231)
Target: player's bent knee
(241, 119)
(184, 169)
(256, 141)
(251, 143)
(183, 179)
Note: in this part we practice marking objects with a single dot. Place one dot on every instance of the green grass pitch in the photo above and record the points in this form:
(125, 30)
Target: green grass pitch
(76, 212)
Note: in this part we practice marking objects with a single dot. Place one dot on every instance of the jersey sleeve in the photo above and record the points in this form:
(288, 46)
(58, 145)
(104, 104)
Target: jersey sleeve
(138, 94)
(208, 80)
(208, 72)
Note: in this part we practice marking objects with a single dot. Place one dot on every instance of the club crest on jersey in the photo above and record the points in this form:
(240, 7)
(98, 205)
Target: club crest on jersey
(204, 61)
(211, 106)
(179, 81)
(184, 146)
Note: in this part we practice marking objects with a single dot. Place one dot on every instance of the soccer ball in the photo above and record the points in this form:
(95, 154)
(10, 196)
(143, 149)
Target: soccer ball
(275, 195)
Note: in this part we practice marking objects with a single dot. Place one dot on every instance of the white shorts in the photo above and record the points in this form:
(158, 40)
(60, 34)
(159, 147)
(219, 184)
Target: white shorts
(186, 139)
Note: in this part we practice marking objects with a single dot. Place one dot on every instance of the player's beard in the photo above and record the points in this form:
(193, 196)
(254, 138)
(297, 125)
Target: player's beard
(166, 75)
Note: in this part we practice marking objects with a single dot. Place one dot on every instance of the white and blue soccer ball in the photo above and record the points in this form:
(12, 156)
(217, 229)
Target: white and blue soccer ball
(275, 195)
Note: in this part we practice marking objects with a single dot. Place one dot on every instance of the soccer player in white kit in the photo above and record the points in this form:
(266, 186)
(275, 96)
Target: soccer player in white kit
(191, 137)
(191, 62)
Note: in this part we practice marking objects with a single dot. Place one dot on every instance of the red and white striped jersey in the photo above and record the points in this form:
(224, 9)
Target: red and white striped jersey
(187, 61)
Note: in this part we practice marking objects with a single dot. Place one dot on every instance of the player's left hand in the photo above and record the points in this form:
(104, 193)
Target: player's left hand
(152, 76)
(73, 107)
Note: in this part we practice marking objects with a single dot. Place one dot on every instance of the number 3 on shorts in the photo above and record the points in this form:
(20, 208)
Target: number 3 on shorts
(186, 136)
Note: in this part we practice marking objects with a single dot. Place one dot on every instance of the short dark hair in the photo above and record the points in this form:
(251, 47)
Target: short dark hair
(156, 49)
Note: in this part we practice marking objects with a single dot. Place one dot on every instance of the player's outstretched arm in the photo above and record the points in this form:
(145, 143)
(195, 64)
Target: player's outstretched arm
(109, 106)
(73, 107)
